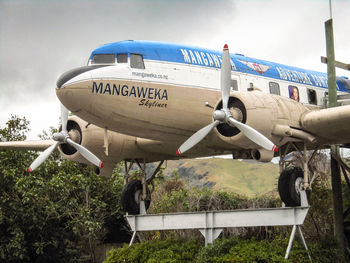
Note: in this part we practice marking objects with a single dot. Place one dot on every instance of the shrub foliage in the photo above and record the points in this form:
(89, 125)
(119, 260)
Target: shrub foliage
(231, 249)
(60, 212)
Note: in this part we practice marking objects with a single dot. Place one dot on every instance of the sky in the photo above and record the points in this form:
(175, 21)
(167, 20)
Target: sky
(40, 40)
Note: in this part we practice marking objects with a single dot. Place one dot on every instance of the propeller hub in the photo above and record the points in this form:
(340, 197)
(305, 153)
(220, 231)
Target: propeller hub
(60, 137)
(219, 115)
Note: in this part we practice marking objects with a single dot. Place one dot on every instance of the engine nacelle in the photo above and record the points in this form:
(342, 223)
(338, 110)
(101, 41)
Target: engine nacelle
(93, 138)
(261, 111)
(110, 147)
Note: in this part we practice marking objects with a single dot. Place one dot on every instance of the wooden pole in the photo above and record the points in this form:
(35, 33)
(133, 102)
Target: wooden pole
(335, 169)
(332, 85)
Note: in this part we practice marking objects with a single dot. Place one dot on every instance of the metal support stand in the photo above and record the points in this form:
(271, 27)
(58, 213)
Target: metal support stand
(142, 212)
(291, 239)
(211, 223)
(304, 203)
(132, 238)
(210, 235)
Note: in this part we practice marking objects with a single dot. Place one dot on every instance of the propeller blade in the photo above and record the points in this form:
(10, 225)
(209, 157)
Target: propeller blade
(253, 135)
(64, 118)
(225, 76)
(42, 157)
(196, 138)
(86, 153)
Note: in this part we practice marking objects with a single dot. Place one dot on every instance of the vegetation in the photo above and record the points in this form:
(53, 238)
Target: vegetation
(60, 212)
(231, 249)
(155, 251)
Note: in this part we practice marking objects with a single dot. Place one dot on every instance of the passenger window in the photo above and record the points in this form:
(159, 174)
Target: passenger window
(136, 61)
(103, 59)
(311, 95)
(293, 93)
(234, 84)
(274, 88)
(122, 58)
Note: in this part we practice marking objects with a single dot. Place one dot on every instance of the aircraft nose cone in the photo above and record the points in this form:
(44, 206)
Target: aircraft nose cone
(72, 86)
(69, 99)
(74, 89)
(65, 77)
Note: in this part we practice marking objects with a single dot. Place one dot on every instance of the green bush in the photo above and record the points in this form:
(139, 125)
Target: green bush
(155, 252)
(232, 249)
(58, 213)
(212, 252)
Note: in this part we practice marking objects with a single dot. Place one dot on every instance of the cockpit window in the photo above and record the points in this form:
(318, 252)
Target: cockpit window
(136, 61)
(103, 59)
(122, 58)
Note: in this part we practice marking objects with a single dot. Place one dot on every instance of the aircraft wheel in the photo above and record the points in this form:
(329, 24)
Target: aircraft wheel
(289, 185)
(131, 197)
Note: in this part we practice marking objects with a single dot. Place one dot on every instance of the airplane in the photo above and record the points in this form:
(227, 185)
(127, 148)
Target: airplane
(143, 102)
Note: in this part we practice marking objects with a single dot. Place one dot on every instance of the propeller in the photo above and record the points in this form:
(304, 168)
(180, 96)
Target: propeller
(61, 138)
(225, 116)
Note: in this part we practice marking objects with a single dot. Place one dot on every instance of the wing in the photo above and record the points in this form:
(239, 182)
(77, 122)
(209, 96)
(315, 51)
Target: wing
(39, 145)
(332, 125)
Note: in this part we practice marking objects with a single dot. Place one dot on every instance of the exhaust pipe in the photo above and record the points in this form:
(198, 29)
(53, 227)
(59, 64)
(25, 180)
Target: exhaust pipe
(262, 155)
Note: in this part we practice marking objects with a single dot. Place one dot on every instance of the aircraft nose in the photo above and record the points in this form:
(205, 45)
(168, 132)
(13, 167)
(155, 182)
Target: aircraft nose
(72, 86)
(65, 77)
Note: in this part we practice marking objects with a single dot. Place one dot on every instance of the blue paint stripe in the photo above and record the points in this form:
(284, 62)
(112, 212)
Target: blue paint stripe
(174, 53)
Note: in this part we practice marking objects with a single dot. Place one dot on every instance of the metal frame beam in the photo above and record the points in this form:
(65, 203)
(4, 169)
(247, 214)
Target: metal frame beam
(211, 223)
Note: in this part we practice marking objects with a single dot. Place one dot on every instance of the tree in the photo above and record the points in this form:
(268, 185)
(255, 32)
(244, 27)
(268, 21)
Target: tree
(60, 212)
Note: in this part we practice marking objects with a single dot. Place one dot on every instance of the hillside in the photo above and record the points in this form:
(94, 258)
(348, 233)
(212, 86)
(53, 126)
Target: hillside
(242, 177)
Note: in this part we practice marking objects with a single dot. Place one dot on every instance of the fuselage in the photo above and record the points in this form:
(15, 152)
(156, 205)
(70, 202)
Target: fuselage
(159, 91)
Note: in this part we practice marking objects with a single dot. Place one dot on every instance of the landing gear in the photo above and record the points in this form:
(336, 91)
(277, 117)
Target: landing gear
(293, 178)
(136, 193)
(290, 184)
(131, 197)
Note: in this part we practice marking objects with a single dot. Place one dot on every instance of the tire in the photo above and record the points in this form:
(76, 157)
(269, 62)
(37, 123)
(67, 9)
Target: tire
(130, 197)
(286, 185)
